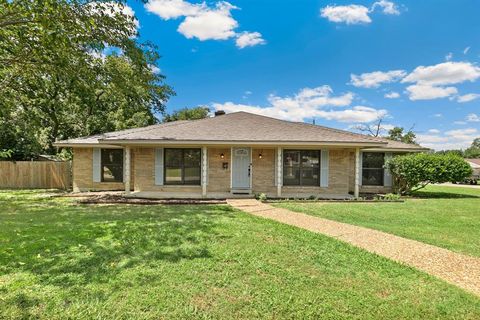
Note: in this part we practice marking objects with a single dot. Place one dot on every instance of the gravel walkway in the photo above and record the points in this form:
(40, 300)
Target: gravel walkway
(455, 268)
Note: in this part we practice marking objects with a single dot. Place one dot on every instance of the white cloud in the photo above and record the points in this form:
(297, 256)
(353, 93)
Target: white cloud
(357, 14)
(172, 9)
(428, 92)
(452, 139)
(154, 68)
(356, 114)
(462, 133)
(472, 117)
(430, 81)
(392, 95)
(449, 56)
(434, 131)
(375, 79)
(465, 51)
(204, 22)
(388, 7)
(444, 73)
(460, 123)
(249, 39)
(308, 98)
(438, 115)
(468, 97)
(351, 14)
(216, 24)
(308, 103)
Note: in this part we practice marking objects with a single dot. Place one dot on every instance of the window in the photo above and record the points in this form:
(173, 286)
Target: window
(301, 168)
(182, 166)
(372, 168)
(112, 165)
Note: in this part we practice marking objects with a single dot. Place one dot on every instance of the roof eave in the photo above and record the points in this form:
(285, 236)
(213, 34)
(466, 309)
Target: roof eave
(420, 149)
(243, 142)
(84, 145)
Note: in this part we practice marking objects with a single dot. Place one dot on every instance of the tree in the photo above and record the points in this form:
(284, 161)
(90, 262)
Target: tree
(415, 171)
(458, 152)
(70, 68)
(474, 150)
(476, 143)
(187, 114)
(397, 134)
(374, 129)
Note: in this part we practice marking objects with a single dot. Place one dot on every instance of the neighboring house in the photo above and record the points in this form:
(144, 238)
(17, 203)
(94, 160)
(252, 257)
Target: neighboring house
(475, 164)
(235, 153)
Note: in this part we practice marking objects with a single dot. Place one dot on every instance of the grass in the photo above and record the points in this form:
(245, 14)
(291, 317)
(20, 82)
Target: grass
(59, 260)
(447, 217)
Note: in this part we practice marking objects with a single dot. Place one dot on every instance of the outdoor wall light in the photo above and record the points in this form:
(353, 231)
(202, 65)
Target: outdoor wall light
(260, 156)
(222, 156)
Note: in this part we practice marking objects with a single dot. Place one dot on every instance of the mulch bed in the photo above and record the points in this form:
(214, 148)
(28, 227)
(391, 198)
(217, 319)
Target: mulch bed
(332, 201)
(117, 199)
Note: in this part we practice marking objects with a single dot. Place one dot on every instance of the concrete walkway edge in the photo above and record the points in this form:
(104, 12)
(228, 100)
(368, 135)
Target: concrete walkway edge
(458, 269)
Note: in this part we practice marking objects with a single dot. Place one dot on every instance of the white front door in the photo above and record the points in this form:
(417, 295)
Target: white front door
(241, 159)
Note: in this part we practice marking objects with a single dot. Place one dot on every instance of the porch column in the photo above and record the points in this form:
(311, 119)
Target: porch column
(357, 172)
(279, 172)
(204, 171)
(127, 171)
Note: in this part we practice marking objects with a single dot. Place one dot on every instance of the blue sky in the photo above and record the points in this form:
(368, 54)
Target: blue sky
(341, 62)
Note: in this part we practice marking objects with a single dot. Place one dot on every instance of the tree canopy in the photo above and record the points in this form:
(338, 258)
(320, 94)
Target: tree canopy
(398, 134)
(71, 68)
(471, 152)
(187, 114)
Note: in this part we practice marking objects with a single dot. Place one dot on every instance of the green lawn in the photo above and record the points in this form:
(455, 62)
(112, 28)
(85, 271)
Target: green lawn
(444, 216)
(61, 260)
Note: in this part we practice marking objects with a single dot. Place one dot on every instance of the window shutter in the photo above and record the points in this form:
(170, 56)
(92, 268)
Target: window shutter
(361, 168)
(97, 165)
(324, 163)
(159, 167)
(275, 161)
(387, 176)
(276, 175)
(204, 158)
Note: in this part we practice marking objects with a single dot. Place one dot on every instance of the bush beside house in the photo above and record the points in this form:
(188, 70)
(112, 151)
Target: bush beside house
(415, 171)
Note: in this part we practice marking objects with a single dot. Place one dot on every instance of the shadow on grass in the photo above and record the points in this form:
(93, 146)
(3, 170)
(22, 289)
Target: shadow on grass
(69, 245)
(442, 195)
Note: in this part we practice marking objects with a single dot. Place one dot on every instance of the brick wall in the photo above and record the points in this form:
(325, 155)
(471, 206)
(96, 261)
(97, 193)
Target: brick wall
(341, 173)
(363, 189)
(218, 177)
(82, 169)
(263, 171)
(338, 177)
(145, 175)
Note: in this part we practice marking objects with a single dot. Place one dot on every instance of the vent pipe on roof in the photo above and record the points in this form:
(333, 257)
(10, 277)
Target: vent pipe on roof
(219, 113)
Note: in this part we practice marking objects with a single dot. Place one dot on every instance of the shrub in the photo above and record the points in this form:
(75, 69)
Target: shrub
(261, 197)
(391, 197)
(415, 171)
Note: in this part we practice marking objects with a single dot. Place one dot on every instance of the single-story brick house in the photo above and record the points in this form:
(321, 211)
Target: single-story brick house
(235, 153)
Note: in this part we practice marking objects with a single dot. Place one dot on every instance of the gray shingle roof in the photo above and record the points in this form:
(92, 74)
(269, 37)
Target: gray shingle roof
(403, 146)
(234, 127)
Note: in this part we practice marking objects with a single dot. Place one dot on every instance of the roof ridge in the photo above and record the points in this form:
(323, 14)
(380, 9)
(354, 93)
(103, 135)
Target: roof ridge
(143, 129)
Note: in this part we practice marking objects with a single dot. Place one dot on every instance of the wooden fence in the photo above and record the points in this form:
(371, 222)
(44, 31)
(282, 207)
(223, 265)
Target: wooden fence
(35, 175)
